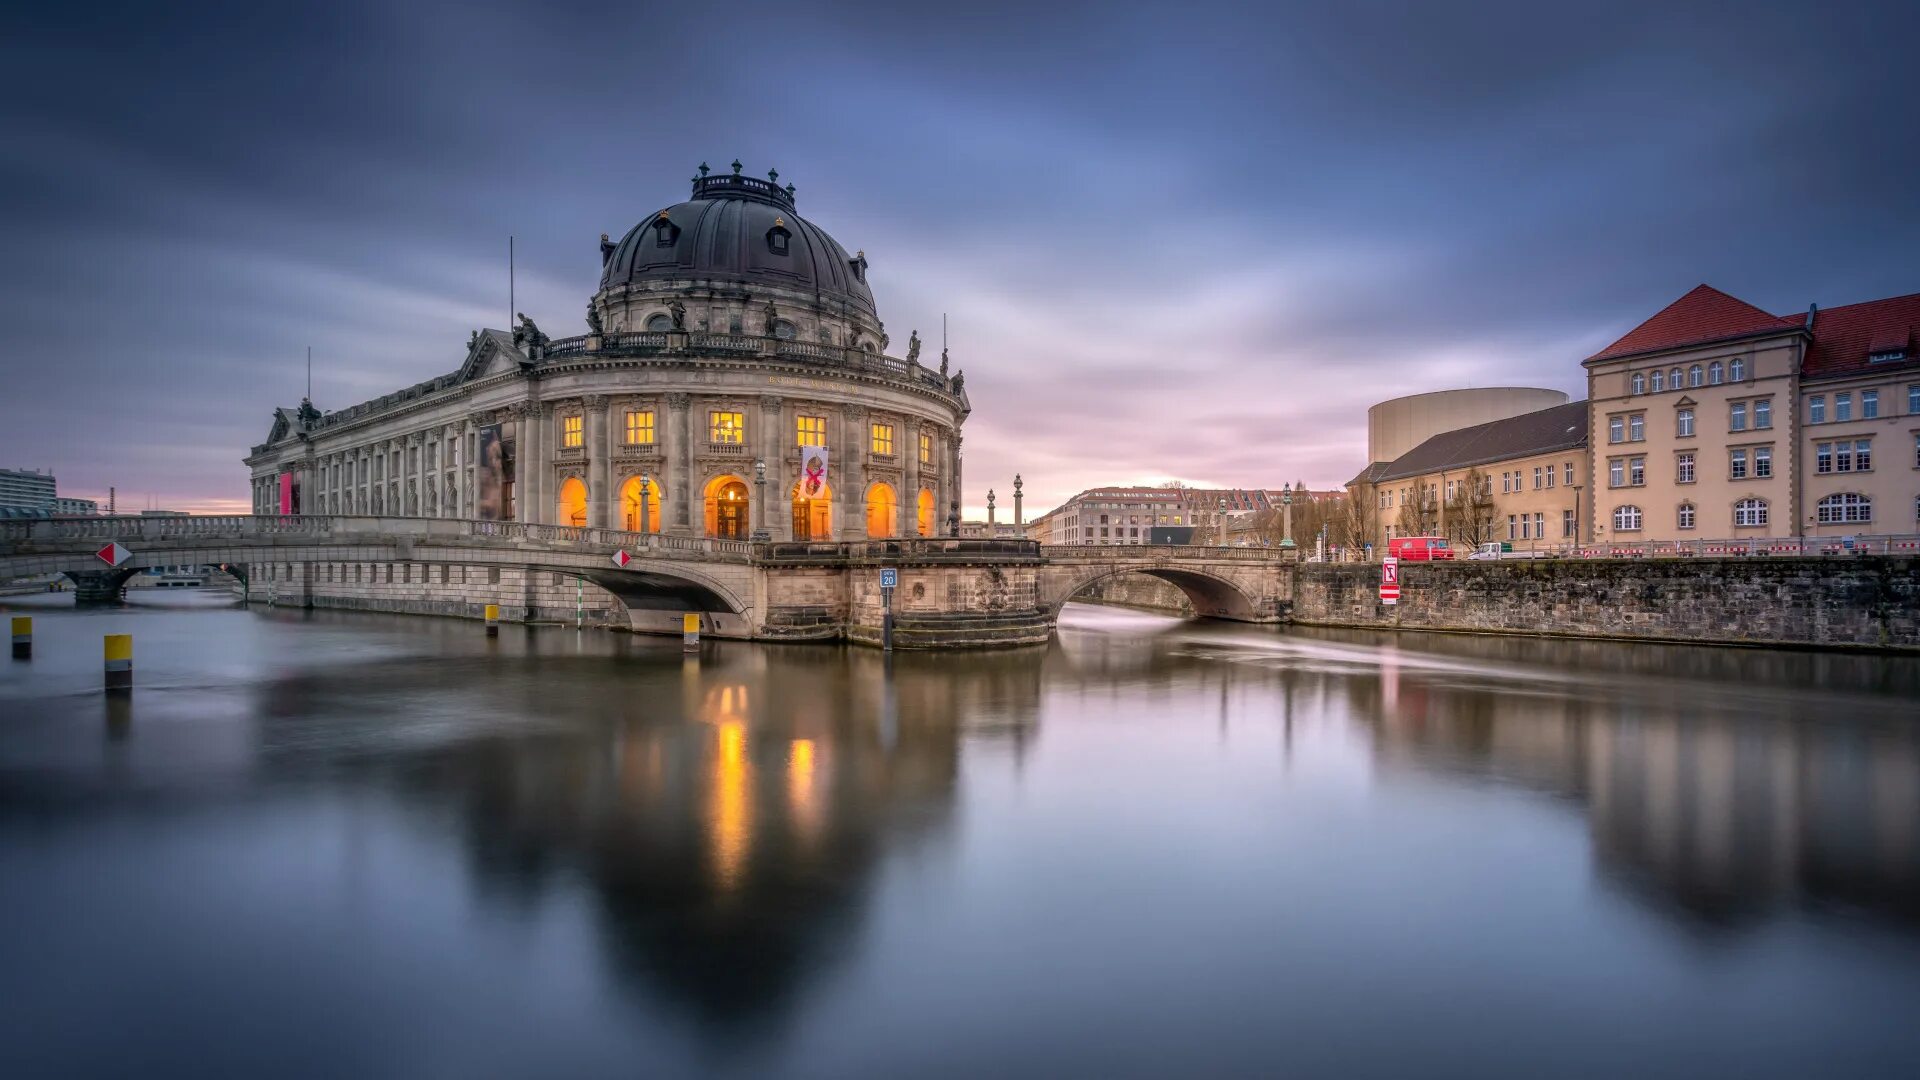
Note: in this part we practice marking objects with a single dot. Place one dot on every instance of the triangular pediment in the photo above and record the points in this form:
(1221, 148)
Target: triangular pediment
(1685, 400)
(491, 352)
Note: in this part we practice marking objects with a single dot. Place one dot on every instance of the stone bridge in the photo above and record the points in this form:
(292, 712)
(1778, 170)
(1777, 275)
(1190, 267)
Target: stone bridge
(952, 592)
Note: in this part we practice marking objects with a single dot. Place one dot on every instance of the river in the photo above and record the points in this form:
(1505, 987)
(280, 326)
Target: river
(331, 844)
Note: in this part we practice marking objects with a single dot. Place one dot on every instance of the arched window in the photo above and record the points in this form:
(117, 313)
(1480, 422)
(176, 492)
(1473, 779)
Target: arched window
(1684, 518)
(1845, 509)
(1639, 383)
(882, 511)
(573, 502)
(727, 508)
(1737, 370)
(1659, 381)
(783, 330)
(636, 500)
(1693, 375)
(1626, 519)
(1749, 513)
(923, 516)
(1714, 373)
(659, 323)
(812, 508)
(1673, 378)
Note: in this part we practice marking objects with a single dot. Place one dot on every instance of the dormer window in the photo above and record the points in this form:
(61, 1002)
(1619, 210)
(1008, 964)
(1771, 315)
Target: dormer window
(858, 264)
(665, 232)
(778, 237)
(1887, 356)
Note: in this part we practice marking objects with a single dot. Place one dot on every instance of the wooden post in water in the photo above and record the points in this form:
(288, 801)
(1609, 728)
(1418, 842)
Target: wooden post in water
(119, 663)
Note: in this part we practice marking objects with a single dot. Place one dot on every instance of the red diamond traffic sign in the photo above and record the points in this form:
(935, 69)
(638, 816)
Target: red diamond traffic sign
(621, 558)
(113, 554)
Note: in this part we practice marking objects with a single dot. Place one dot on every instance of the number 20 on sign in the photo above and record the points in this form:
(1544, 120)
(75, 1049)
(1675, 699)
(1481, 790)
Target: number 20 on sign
(1390, 580)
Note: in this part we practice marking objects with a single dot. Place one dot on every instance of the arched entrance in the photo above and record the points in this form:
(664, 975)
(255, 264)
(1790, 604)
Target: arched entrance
(923, 513)
(813, 515)
(883, 508)
(573, 502)
(631, 503)
(727, 508)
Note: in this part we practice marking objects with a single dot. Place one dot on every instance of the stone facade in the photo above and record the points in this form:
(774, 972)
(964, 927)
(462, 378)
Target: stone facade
(1870, 602)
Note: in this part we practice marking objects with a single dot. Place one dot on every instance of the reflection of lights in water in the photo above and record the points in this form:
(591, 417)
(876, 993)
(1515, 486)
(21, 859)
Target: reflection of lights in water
(800, 788)
(732, 803)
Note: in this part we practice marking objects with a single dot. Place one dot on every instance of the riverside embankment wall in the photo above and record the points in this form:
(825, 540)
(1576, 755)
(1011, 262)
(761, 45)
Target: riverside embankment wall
(1865, 602)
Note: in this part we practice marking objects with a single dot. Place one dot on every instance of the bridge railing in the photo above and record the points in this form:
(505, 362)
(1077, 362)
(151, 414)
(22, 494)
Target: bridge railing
(1164, 551)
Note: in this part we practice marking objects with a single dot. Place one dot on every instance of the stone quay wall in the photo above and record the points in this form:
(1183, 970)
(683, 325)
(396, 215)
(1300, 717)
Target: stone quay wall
(434, 588)
(1864, 602)
(1137, 591)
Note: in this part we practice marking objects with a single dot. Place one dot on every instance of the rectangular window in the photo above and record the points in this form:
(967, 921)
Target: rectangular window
(570, 432)
(1817, 409)
(1685, 516)
(1684, 423)
(1637, 428)
(1739, 465)
(1569, 474)
(1763, 413)
(1869, 404)
(1763, 462)
(1616, 473)
(639, 427)
(926, 449)
(1637, 471)
(1549, 476)
(1513, 527)
(1566, 523)
(1539, 525)
(1843, 457)
(726, 427)
(1737, 421)
(1536, 478)
(1616, 429)
(810, 431)
(883, 438)
(1823, 457)
(1683, 471)
(1526, 527)
(1842, 407)
(1913, 400)
(1862, 456)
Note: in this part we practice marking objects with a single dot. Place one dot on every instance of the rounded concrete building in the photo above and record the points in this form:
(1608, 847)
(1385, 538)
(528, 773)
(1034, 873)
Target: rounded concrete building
(1397, 425)
(734, 382)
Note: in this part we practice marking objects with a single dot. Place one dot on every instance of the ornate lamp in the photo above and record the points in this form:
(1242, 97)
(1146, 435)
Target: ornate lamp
(760, 497)
(1286, 515)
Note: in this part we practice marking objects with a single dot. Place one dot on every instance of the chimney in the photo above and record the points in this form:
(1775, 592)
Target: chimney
(112, 496)
(1812, 310)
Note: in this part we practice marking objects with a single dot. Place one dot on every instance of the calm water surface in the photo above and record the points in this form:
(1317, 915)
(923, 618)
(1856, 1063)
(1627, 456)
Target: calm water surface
(342, 844)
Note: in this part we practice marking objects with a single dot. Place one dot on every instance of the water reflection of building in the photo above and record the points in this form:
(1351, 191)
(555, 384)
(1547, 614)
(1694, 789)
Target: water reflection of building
(1727, 799)
(728, 813)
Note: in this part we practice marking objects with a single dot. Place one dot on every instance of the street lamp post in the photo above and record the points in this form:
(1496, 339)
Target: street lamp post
(1576, 517)
(1286, 516)
(761, 532)
(646, 483)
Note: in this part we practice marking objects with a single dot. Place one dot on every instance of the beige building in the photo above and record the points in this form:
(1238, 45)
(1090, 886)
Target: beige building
(1715, 419)
(1530, 471)
(1128, 514)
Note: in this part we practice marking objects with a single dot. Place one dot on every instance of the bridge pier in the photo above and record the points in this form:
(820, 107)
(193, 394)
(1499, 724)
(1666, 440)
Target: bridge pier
(94, 588)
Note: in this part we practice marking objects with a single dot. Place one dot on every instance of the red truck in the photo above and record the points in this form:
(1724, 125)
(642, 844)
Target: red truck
(1419, 548)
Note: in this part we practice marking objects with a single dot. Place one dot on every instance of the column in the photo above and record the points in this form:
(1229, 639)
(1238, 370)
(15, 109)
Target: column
(910, 498)
(678, 493)
(954, 489)
(533, 466)
(599, 458)
(853, 473)
(772, 451)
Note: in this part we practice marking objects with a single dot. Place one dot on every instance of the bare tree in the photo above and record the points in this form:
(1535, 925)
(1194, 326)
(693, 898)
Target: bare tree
(1357, 520)
(1420, 514)
(1470, 510)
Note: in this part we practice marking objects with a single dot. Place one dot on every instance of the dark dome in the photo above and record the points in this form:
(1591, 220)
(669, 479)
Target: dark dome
(743, 230)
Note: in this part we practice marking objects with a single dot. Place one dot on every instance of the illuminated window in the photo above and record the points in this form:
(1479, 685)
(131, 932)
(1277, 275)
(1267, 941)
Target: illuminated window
(810, 431)
(726, 427)
(883, 438)
(570, 428)
(926, 449)
(639, 427)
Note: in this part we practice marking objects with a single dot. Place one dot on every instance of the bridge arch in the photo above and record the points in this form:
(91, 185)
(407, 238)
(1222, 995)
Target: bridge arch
(1211, 595)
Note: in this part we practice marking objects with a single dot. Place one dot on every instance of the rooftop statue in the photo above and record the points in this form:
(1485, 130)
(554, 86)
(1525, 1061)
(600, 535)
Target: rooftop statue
(913, 347)
(773, 315)
(679, 312)
(943, 363)
(593, 319)
(527, 335)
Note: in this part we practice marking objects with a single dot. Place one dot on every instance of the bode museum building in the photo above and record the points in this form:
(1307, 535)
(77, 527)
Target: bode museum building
(733, 383)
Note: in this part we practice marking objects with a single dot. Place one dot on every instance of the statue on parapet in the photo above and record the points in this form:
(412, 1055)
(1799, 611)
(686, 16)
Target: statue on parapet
(913, 347)
(943, 363)
(527, 335)
(678, 311)
(959, 382)
(593, 319)
(773, 316)
(473, 339)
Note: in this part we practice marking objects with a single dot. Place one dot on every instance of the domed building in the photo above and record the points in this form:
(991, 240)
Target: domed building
(734, 382)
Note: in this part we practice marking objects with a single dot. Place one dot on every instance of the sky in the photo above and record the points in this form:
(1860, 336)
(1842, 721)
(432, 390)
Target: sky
(1173, 241)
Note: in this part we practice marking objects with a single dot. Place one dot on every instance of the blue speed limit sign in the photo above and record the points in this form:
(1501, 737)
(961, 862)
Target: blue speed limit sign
(889, 577)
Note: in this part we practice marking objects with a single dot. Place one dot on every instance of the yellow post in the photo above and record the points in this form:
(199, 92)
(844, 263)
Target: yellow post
(119, 656)
(23, 637)
(690, 631)
(493, 620)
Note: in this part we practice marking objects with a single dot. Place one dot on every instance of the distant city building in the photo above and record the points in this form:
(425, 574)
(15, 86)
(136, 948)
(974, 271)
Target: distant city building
(27, 491)
(1129, 514)
(64, 507)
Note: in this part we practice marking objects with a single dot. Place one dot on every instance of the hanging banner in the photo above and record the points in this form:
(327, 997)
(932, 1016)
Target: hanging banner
(289, 493)
(496, 469)
(813, 471)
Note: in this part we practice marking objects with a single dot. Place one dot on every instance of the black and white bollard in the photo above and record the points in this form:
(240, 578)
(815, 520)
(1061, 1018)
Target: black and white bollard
(119, 656)
(23, 637)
